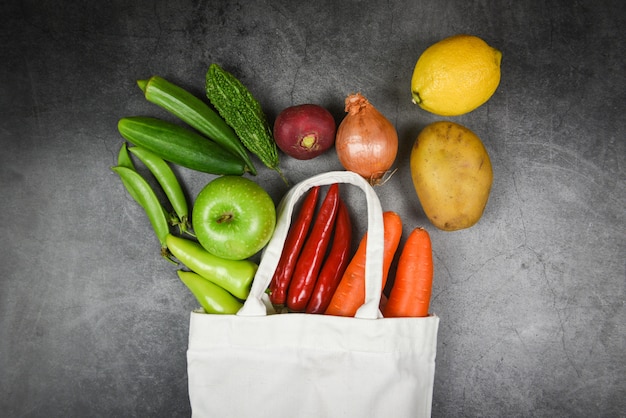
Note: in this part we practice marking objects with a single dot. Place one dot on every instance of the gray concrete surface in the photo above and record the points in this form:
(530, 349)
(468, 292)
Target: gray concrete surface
(94, 323)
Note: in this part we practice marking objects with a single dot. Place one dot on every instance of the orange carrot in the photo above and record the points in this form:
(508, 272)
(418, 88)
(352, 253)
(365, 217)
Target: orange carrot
(350, 293)
(410, 294)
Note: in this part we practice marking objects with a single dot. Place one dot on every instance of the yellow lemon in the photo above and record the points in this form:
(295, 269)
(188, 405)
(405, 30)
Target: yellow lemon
(456, 75)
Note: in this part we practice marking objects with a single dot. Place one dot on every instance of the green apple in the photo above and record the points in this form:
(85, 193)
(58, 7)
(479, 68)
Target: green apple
(233, 217)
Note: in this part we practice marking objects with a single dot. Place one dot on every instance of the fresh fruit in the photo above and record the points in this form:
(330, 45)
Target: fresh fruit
(456, 75)
(305, 131)
(452, 175)
(233, 217)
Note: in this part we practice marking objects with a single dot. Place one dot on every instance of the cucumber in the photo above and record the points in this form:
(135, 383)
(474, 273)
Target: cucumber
(244, 114)
(179, 145)
(196, 113)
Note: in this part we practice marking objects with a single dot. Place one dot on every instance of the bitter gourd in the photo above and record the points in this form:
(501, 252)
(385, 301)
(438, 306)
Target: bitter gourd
(236, 104)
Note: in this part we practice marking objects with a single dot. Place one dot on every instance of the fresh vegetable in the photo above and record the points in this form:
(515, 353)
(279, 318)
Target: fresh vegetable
(452, 175)
(169, 182)
(196, 114)
(234, 276)
(313, 253)
(243, 113)
(291, 250)
(212, 298)
(350, 293)
(123, 158)
(335, 264)
(179, 145)
(366, 143)
(305, 131)
(412, 287)
(143, 193)
(233, 217)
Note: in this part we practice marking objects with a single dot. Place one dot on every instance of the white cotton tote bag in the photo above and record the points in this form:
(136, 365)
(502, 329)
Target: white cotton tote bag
(261, 364)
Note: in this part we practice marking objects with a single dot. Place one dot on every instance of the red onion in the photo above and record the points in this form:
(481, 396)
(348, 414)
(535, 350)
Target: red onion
(304, 131)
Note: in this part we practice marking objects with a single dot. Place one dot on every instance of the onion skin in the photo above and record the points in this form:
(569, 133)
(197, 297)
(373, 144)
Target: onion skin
(305, 131)
(366, 142)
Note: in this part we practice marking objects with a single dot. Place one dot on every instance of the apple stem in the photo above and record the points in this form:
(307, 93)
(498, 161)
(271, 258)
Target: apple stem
(227, 217)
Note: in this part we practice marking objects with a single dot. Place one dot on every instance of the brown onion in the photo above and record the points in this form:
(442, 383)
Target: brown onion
(366, 142)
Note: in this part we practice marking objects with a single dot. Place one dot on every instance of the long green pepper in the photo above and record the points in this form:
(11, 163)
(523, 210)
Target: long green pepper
(244, 114)
(212, 298)
(235, 276)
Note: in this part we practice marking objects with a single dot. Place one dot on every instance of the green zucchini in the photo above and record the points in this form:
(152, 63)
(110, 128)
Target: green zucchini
(195, 113)
(243, 113)
(179, 145)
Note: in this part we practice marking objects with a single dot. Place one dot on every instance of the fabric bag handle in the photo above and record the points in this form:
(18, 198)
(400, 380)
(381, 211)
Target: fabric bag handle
(257, 303)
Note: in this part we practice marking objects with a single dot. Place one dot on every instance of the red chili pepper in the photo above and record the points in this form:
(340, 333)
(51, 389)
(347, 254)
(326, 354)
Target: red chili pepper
(313, 253)
(293, 245)
(335, 264)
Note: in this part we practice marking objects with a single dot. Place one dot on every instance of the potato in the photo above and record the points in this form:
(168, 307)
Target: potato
(452, 175)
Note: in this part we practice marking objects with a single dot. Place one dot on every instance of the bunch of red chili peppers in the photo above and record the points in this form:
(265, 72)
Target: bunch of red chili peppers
(308, 274)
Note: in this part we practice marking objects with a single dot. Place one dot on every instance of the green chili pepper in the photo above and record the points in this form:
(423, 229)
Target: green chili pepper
(139, 188)
(235, 276)
(212, 298)
(169, 182)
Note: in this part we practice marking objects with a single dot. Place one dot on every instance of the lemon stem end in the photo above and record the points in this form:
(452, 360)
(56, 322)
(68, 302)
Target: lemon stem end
(416, 97)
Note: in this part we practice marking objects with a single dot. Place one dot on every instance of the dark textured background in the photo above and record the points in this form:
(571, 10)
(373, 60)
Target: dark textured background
(94, 323)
